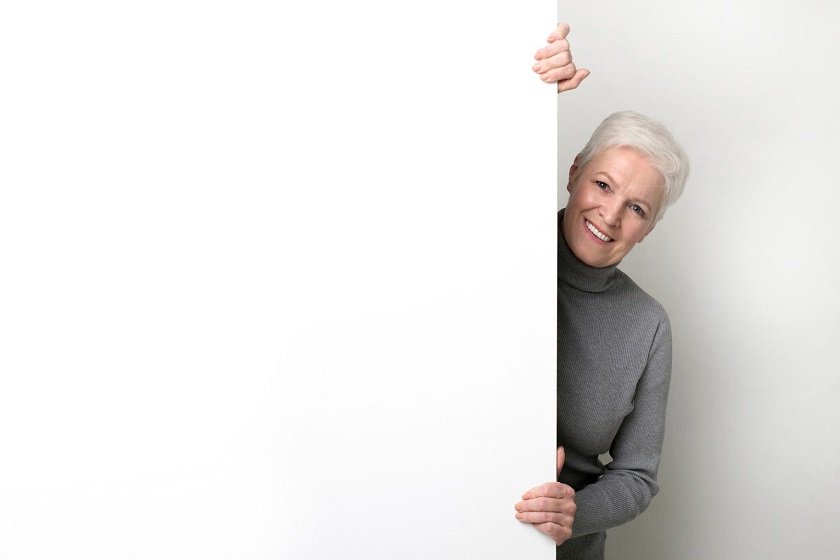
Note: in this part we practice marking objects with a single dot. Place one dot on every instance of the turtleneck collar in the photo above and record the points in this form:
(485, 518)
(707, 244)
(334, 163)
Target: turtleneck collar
(577, 274)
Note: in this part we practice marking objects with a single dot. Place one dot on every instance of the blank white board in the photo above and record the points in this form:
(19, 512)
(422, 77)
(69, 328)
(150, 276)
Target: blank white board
(278, 280)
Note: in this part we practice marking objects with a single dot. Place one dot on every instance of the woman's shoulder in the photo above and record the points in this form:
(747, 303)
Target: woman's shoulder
(641, 302)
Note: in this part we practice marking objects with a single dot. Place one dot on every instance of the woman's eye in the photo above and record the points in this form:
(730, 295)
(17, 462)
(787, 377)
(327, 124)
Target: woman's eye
(638, 210)
(602, 185)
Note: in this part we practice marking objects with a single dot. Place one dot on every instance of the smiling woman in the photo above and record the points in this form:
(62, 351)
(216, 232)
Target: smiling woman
(620, 185)
(612, 205)
(614, 340)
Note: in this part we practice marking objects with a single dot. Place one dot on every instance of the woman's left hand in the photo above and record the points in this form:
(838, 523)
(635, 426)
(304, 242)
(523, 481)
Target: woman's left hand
(550, 507)
(554, 61)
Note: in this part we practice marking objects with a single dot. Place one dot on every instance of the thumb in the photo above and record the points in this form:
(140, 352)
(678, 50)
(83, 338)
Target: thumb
(572, 82)
(560, 32)
(561, 458)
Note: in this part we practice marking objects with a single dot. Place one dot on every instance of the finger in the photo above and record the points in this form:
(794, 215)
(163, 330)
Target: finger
(559, 74)
(549, 490)
(566, 85)
(562, 58)
(552, 49)
(537, 517)
(556, 62)
(560, 534)
(560, 32)
(561, 453)
(558, 505)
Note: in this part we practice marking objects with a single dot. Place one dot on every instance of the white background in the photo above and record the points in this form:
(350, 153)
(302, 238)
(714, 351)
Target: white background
(746, 263)
(277, 282)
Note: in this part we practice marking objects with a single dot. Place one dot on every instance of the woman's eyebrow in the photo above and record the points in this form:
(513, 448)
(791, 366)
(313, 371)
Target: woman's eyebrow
(613, 182)
(608, 176)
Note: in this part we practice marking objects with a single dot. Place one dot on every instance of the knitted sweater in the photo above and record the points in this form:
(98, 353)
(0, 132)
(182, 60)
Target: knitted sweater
(613, 371)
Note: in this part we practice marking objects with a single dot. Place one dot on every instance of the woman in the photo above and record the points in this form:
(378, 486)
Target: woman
(614, 340)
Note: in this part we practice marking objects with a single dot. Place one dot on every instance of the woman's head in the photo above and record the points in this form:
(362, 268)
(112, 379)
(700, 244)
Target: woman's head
(649, 138)
(619, 187)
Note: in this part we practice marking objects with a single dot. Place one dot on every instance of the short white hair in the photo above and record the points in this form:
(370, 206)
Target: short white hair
(648, 137)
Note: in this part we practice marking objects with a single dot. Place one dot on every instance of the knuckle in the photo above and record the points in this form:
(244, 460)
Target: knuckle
(567, 533)
(568, 71)
(561, 535)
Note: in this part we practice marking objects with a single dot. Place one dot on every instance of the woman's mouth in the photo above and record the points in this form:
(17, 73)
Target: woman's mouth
(597, 233)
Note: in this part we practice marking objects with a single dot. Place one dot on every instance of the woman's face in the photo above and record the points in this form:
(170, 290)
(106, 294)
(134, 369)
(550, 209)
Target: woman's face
(613, 203)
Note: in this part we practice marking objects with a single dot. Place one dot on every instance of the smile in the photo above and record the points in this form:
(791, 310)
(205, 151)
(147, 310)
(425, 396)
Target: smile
(597, 233)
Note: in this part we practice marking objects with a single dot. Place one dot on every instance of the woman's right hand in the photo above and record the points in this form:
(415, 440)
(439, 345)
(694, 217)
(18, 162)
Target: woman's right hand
(550, 507)
(554, 61)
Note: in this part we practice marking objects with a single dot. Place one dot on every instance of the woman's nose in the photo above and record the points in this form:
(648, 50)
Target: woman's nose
(611, 213)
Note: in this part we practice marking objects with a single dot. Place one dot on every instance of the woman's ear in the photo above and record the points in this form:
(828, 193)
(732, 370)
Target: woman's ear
(572, 172)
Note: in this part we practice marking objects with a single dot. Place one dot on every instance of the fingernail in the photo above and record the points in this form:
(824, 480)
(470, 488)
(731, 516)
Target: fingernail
(535, 67)
(518, 515)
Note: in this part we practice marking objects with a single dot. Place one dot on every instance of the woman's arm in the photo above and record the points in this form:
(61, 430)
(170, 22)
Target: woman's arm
(629, 482)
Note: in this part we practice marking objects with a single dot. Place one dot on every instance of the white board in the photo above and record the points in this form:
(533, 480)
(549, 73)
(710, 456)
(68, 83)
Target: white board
(278, 280)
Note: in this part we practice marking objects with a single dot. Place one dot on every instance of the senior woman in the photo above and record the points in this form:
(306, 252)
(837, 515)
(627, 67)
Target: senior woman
(614, 340)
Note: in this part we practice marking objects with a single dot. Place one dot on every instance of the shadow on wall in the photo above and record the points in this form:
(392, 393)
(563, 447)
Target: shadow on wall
(698, 441)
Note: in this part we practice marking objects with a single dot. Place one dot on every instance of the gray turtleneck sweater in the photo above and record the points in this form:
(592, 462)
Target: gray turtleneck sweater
(613, 370)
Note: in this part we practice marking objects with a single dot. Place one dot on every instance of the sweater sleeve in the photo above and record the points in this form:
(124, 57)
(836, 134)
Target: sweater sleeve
(629, 481)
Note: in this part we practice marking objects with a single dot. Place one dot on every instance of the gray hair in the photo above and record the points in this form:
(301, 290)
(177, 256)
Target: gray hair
(648, 137)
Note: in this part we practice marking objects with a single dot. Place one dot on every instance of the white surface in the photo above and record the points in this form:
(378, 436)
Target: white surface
(277, 282)
(746, 263)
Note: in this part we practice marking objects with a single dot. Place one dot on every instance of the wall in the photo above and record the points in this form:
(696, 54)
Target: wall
(278, 279)
(745, 263)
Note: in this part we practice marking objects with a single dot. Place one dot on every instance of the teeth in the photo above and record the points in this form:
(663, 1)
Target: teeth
(597, 233)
